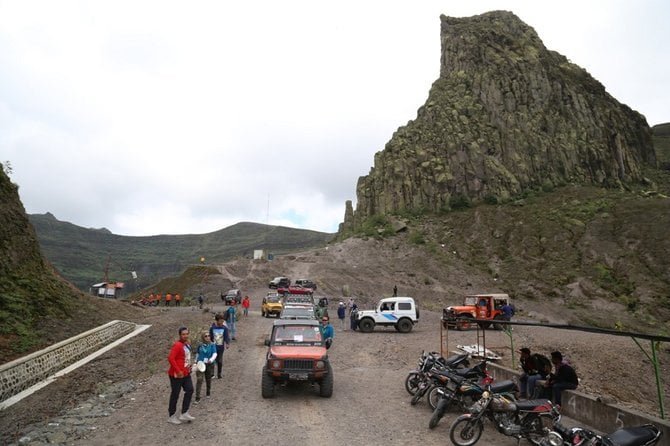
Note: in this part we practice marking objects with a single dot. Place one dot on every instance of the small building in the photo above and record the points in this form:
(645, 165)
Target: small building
(108, 289)
(260, 254)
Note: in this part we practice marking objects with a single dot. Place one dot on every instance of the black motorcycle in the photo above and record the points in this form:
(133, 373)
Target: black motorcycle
(520, 419)
(439, 376)
(427, 361)
(645, 435)
(461, 393)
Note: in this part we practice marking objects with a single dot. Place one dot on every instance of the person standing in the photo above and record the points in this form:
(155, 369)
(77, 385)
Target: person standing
(353, 317)
(395, 290)
(180, 378)
(327, 331)
(168, 298)
(177, 299)
(245, 304)
(507, 311)
(232, 314)
(219, 333)
(207, 354)
(201, 300)
(341, 313)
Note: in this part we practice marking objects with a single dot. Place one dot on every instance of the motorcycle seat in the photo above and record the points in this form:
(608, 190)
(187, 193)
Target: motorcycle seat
(454, 360)
(503, 386)
(633, 436)
(532, 405)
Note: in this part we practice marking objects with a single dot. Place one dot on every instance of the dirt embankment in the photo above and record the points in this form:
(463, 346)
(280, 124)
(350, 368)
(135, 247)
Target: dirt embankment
(369, 405)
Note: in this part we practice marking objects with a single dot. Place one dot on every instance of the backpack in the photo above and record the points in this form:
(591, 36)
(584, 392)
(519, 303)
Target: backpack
(541, 362)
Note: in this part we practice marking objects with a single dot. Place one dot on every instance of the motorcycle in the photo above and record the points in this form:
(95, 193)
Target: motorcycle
(439, 376)
(426, 362)
(520, 419)
(461, 393)
(645, 435)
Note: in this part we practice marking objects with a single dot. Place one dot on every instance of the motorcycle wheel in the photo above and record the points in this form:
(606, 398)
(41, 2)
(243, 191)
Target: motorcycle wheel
(535, 429)
(465, 431)
(434, 396)
(412, 383)
(421, 391)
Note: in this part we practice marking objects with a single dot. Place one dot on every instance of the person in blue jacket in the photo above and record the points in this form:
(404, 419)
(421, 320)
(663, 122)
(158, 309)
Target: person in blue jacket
(207, 354)
(218, 333)
(327, 331)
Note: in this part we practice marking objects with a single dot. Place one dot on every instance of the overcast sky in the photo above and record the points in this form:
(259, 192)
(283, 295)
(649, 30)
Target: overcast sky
(174, 117)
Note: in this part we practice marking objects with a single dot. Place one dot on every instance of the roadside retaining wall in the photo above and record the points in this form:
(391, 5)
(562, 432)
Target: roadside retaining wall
(22, 373)
(592, 412)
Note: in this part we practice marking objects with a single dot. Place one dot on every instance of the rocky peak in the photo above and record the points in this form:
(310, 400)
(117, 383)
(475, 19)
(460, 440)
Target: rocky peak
(505, 115)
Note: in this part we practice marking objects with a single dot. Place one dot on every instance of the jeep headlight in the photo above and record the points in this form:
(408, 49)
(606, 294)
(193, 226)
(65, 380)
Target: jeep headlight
(320, 365)
(275, 364)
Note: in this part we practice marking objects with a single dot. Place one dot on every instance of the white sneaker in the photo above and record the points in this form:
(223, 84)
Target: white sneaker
(173, 419)
(186, 417)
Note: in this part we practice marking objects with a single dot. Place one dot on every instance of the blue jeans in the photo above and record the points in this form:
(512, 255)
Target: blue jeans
(558, 388)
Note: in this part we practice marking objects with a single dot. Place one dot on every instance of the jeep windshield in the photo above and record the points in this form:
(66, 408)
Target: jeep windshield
(471, 300)
(273, 299)
(307, 335)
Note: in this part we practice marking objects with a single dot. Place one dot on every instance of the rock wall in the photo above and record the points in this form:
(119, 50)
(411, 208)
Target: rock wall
(23, 373)
(505, 115)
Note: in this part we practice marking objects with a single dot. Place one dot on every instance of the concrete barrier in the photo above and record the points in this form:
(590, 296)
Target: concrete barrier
(22, 373)
(589, 410)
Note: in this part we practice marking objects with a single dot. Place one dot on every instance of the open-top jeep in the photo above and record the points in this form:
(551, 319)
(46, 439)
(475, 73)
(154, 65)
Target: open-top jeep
(272, 304)
(476, 306)
(297, 352)
(399, 312)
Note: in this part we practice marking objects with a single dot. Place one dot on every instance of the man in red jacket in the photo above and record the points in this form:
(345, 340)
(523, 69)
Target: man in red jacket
(180, 378)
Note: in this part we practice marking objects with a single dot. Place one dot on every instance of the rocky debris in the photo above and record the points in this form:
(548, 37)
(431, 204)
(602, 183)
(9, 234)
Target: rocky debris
(505, 116)
(76, 423)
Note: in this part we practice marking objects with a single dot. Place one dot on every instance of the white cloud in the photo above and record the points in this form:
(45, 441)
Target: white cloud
(152, 117)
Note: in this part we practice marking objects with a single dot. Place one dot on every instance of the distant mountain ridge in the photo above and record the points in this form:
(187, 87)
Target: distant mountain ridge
(81, 254)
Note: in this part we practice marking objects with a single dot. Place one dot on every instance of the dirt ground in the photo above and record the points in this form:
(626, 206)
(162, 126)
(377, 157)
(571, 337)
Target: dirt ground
(369, 404)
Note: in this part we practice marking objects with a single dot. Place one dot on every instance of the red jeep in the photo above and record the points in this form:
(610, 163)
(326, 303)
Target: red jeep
(296, 352)
(476, 306)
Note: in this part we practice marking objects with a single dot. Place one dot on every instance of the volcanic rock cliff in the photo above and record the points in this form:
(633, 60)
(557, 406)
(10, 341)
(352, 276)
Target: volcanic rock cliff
(506, 115)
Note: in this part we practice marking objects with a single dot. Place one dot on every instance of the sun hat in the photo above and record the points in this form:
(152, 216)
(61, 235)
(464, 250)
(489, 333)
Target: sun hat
(201, 366)
(341, 303)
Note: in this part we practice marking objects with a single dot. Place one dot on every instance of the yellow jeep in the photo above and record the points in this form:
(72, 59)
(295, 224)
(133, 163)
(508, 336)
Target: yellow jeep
(272, 304)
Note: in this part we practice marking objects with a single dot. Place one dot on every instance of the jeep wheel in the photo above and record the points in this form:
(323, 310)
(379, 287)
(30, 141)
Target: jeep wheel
(463, 325)
(366, 325)
(267, 385)
(326, 384)
(404, 325)
(498, 326)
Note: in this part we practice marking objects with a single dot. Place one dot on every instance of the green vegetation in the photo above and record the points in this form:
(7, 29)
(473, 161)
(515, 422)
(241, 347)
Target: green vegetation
(377, 226)
(81, 255)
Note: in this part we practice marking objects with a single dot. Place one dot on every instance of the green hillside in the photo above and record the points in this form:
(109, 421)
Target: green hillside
(81, 255)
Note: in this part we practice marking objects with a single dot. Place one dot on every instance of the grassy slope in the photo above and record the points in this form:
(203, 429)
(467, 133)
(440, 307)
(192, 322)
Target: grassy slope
(81, 254)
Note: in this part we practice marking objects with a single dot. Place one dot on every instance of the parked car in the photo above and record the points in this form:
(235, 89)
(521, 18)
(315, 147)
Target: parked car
(476, 306)
(280, 282)
(232, 296)
(306, 283)
(294, 289)
(398, 312)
